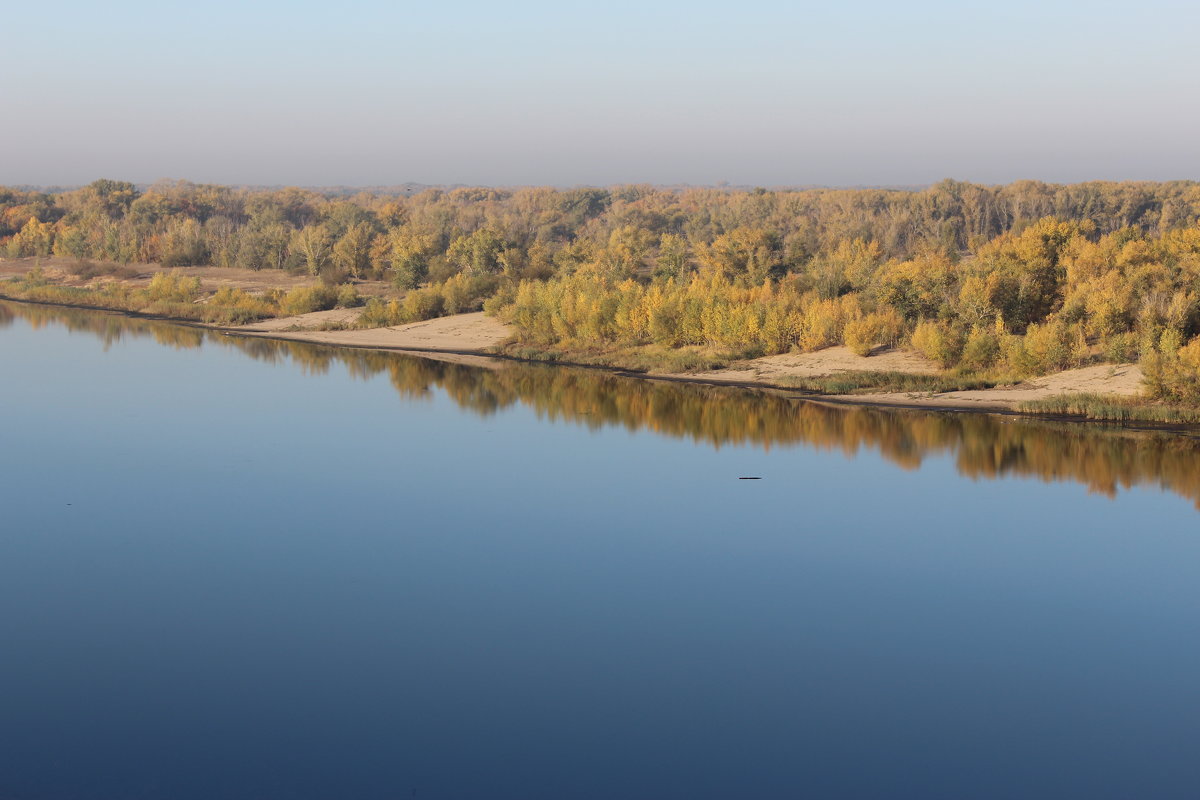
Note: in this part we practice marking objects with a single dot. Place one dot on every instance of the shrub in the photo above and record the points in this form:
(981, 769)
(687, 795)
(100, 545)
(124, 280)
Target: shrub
(171, 287)
(981, 350)
(938, 341)
(422, 304)
(377, 313)
(1045, 348)
(236, 307)
(863, 334)
(1172, 372)
(348, 296)
(1120, 348)
(307, 299)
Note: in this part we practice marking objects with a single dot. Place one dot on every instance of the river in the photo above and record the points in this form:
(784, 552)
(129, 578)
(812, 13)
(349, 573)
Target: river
(236, 567)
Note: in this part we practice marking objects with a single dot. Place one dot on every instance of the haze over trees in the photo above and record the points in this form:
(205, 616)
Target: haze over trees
(1023, 278)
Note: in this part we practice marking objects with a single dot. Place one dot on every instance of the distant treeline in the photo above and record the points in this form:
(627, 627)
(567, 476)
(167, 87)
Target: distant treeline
(534, 232)
(1017, 279)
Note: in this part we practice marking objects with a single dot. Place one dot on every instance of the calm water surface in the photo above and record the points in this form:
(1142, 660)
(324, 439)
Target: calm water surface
(243, 569)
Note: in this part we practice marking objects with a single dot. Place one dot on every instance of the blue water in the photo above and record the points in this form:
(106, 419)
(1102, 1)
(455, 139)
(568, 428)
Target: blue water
(228, 573)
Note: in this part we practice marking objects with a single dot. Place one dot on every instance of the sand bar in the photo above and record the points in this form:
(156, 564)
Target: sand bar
(472, 333)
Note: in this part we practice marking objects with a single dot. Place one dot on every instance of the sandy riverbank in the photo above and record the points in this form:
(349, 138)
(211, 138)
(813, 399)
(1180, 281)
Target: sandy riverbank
(818, 364)
(1124, 380)
(474, 333)
(473, 338)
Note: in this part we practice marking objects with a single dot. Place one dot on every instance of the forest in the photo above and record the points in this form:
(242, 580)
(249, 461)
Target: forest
(998, 281)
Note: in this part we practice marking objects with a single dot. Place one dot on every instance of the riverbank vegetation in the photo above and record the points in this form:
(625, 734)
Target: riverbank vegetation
(171, 295)
(870, 382)
(993, 283)
(1112, 409)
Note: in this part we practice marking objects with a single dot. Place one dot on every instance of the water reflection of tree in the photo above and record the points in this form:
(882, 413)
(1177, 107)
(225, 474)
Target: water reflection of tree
(983, 446)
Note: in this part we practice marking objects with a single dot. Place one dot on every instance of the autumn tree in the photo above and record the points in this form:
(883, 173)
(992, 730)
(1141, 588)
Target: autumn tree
(352, 252)
(313, 245)
(409, 253)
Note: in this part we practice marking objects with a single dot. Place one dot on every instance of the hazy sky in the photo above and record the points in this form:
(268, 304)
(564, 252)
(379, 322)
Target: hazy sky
(750, 92)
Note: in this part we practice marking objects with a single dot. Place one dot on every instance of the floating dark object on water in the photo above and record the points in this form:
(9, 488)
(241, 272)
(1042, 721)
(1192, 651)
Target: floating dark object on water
(751, 478)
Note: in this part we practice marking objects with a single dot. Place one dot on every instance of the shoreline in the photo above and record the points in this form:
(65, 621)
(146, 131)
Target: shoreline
(482, 356)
